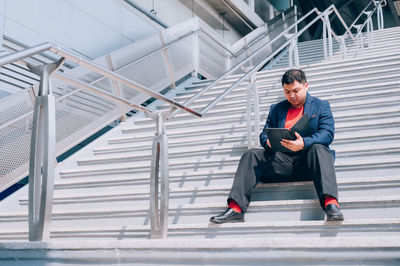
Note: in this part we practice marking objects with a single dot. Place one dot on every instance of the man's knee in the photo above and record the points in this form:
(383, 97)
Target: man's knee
(320, 151)
(315, 148)
(254, 152)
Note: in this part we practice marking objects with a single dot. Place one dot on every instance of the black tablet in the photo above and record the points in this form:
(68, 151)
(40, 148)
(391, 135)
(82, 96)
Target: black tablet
(275, 136)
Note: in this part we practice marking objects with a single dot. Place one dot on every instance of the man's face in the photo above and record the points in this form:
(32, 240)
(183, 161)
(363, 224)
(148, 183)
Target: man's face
(296, 93)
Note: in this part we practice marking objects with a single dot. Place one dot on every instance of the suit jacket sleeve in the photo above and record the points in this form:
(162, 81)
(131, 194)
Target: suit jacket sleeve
(325, 127)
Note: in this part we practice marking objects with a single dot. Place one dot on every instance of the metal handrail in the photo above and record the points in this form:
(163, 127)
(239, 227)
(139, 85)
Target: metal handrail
(237, 66)
(265, 33)
(359, 16)
(348, 29)
(368, 17)
(110, 74)
(259, 65)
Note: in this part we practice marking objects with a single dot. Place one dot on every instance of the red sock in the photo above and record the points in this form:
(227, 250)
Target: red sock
(234, 206)
(331, 200)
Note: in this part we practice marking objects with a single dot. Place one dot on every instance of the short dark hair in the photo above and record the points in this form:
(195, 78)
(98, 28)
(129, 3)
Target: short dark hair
(292, 75)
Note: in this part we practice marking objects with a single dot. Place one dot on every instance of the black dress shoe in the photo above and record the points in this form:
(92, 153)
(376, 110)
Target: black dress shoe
(333, 213)
(228, 216)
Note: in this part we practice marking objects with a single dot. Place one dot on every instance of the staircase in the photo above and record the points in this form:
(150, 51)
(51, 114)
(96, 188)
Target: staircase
(101, 197)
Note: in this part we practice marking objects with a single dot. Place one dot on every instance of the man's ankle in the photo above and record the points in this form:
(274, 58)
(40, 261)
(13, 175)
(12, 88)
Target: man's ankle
(234, 206)
(331, 200)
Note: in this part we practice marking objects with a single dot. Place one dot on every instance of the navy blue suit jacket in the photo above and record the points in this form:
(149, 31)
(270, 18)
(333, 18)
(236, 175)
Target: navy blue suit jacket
(320, 118)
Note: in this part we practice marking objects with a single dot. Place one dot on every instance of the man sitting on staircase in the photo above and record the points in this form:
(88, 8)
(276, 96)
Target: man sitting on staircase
(311, 158)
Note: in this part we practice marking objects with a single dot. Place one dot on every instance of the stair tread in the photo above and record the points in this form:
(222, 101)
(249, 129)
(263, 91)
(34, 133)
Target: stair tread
(347, 202)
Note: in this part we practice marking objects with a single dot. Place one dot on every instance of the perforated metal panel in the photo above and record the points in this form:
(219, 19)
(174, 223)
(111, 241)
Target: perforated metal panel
(15, 138)
(78, 115)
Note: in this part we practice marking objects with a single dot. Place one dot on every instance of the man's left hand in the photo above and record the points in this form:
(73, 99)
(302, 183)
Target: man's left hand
(294, 145)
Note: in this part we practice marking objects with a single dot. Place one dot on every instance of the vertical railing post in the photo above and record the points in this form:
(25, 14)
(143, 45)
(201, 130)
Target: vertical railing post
(117, 89)
(256, 110)
(359, 40)
(195, 52)
(167, 62)
(379, 16)
(253, 122)
(249, 116)
(42, 155)
(159, 166)
(327, 32)
(343, 51)
(293, 53)
(324, 37)
(328, 23)
(295, 19)
(370, 32)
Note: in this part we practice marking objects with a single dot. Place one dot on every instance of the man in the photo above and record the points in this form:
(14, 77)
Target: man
(311, 158)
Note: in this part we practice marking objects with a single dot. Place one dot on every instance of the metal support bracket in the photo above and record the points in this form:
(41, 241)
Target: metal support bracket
(159, 172)
(42, 153)
(327, 32)
(343, 49)
(360, 41)
(117, 88)
(293, 54)
(253, 122)
(379, 16)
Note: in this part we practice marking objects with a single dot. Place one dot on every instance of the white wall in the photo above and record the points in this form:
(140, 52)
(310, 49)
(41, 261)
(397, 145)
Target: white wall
(173, 12)
(91, 27)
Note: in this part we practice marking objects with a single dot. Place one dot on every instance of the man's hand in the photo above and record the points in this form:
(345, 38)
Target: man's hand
(294, 145)
(269, 144)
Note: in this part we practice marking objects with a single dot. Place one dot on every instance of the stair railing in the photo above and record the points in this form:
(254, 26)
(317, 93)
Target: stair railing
(42, 153)
(171, 45)
(360, 27)
(43, 134)
(292, 38)
(369, 26)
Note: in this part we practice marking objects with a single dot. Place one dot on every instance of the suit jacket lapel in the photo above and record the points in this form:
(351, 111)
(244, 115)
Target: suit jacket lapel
(308, 105)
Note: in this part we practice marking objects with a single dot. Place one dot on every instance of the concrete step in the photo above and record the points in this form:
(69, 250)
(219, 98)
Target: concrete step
(342, 250)
(259, 211)
(256, 230)
(139, 193)
(129, 143)
(273, 91)
(208, 169)
(234, 122)
(356, 144)
(340, 101)
(239, 140)
(315, 53)
(315, 71)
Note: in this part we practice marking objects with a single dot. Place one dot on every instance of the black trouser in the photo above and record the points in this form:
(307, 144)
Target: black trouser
(260, 165)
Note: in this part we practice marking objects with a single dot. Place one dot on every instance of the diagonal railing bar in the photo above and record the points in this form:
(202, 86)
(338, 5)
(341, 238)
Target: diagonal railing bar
(108, 73)
(367, 19)
(359, 15)
(98, 91)
(118, 78)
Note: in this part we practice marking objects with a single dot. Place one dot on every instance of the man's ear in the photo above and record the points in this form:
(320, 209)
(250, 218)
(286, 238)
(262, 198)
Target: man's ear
(306, 85)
